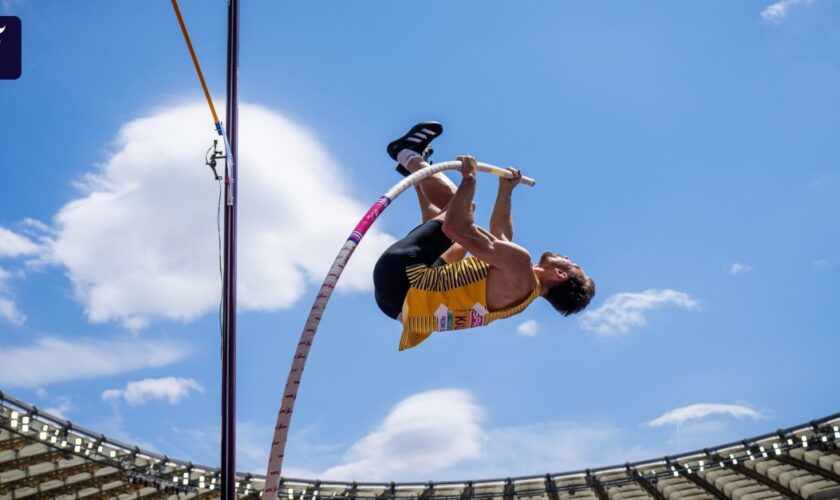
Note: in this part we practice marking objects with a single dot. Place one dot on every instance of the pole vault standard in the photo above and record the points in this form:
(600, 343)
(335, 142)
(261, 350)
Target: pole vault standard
(230, 138)
(284, 416)
(228, 451)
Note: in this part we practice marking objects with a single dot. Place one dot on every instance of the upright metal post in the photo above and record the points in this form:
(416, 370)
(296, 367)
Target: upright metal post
(228, 458)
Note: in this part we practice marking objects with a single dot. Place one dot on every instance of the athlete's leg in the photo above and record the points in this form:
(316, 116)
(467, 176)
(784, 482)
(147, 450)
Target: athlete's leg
(437, 188)
(431, 211)
(423, 245)
(455, 253)
(428, 210)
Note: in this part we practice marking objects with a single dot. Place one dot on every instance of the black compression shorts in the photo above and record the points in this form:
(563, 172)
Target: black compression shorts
(423, 245)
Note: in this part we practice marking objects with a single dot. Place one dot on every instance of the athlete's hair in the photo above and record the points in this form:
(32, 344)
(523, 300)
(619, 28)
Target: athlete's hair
(572, 295)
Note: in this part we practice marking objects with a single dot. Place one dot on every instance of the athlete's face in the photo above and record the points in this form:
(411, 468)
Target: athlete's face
(561, 265)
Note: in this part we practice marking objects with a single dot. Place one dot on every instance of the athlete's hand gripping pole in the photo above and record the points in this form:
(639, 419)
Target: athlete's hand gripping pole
(501, 172)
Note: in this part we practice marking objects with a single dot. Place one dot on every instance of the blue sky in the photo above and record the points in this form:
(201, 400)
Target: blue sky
(685, 153)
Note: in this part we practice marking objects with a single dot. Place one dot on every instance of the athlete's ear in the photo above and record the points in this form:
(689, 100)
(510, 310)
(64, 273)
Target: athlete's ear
(561, 275)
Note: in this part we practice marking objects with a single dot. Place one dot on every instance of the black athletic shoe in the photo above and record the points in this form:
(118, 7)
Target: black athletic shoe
(426, 154)
(416, 139)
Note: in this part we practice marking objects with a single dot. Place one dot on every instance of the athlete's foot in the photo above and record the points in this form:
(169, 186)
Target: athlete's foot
(426, 154)
(417, 139)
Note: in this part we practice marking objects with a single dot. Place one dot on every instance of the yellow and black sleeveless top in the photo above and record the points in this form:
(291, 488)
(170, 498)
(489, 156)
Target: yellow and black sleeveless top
(450, 297)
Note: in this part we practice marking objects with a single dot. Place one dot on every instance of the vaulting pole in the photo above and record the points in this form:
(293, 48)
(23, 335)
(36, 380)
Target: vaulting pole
(287, 405)
(228, 458)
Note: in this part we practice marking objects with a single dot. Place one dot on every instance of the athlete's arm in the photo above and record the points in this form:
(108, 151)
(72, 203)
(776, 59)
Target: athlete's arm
(501, 221)
(460, 227)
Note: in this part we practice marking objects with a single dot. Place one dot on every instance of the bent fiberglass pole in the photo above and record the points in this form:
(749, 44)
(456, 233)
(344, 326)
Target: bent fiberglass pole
(284, 416)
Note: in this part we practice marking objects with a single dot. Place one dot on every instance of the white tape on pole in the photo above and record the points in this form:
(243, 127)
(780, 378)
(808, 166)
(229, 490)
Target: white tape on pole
(284, 415)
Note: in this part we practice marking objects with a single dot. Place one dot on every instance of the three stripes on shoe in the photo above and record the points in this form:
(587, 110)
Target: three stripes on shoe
(420, 136)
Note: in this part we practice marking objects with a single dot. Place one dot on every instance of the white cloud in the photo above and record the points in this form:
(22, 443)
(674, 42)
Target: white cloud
(52, 360)
(9, 4)
(15, 245)
(34, 227)
(9, 311)
(308, 453)
(528, 328)
(439, 434)
(697, 411)
(141, 243)
(201, 444)
(738, 268)
(625, 310)
(172, 389)
(253, 444)
(779, 10)
(12, 245)
(422, 435)
(548, 447)
(61, 408)
(114, 426)
(701, 433)
(823, 264)
(60, 405)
